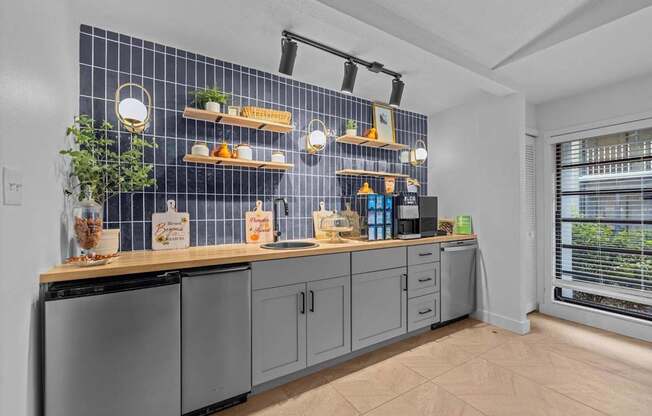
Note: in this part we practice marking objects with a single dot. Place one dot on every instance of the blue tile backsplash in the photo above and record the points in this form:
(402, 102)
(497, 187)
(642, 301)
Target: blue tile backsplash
(217, 197)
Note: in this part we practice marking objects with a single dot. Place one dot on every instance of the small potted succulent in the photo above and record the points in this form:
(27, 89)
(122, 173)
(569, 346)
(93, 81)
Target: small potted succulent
(210, 99)
(97, 173)
(351, 127)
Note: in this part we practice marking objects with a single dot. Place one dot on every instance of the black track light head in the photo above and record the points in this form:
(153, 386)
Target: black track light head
(288, 55)
(350, 71)
(397, 92)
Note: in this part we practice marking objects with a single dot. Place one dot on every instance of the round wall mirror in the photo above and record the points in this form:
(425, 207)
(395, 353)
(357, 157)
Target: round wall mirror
(419, 153)
(133, 113)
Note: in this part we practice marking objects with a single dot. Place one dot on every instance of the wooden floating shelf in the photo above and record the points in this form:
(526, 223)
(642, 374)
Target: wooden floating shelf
(225, 161)
(222, 118)
(364, 141)
(357, 172)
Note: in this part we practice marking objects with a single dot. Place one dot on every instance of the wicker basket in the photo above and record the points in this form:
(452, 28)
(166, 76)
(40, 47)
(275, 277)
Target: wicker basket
(267, 114)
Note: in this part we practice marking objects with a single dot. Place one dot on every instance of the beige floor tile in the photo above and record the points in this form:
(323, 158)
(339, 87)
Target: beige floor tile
(375, 385)
(497, 391)
(596, 388)
(435, 358)
(304, 384)
(259, 404)
(425, 400)
(480, 339)
(322, 401)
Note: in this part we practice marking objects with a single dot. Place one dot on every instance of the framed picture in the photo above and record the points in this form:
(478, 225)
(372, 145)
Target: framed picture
(384, 122)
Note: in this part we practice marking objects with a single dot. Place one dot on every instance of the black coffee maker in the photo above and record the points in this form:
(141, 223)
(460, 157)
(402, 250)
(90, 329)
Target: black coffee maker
(406, 216)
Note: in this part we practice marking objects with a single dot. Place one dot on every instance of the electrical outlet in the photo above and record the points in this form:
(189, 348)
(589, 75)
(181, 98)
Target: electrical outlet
(12, 186)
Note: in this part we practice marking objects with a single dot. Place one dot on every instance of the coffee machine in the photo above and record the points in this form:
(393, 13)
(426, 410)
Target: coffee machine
(406, 216)
(427, 216)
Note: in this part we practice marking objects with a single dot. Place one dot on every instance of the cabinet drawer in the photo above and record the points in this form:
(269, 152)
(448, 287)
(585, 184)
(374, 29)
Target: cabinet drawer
(423, 311)
(274, 273)
(424, 253)
(423, 279)
(380, 259)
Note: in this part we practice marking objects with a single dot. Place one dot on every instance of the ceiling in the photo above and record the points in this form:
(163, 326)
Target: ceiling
(446, 49)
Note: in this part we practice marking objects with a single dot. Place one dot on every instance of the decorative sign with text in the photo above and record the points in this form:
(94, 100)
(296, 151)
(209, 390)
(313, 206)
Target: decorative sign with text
(171, 229)
(258, 225)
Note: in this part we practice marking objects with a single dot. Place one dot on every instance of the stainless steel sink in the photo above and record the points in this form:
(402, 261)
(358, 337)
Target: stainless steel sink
(289, 245)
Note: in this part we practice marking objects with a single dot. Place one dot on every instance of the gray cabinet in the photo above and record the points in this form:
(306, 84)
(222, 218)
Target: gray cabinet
(423, 311)
(379, 306)
(278, 332)
(304, 319)
(329, 319)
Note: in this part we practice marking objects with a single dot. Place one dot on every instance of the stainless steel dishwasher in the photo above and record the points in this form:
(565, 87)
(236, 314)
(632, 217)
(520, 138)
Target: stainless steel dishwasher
(215, 338)
(458, 270)
(112, 346)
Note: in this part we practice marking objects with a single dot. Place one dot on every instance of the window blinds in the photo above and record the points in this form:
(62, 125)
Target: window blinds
(603, 222)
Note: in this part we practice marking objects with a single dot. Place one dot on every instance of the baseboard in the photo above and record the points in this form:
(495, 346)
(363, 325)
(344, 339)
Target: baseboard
(519, 327)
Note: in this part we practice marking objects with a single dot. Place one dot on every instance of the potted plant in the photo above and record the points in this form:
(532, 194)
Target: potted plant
(209, 99)
(351, 127)
(97, 173)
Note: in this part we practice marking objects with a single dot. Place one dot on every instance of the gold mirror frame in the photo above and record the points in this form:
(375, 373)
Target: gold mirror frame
(312, 149)
(413, 154)
(133, 126)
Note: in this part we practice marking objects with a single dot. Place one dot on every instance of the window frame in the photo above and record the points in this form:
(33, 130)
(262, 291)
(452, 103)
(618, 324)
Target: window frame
(546, 190)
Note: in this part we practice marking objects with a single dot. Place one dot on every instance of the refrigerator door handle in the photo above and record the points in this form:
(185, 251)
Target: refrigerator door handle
(212, 272)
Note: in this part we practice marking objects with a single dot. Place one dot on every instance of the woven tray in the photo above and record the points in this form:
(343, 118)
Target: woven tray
(267, 114)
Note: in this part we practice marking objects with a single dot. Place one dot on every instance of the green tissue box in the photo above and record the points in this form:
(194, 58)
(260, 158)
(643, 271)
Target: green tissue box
(463, 225)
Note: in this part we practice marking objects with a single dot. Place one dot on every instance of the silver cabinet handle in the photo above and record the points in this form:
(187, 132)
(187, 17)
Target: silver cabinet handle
(425, 254)
(425, 280)
(312, 301)
(425, 311)
(460, 248)
(209, 272)
(404, 282)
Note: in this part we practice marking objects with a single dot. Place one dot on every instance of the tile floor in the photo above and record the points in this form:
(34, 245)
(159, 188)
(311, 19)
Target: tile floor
(474, 369)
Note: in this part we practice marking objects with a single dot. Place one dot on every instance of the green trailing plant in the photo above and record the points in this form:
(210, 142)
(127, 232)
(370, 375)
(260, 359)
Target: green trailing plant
(201, 97)
(351, 124)
(99, 168)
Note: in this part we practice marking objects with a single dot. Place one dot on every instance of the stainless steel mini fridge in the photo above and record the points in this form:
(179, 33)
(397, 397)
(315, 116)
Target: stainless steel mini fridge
(112, 346)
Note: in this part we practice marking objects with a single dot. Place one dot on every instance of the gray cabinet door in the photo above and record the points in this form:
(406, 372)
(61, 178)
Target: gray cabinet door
(278, 332)
(329, 319)
(378, 306)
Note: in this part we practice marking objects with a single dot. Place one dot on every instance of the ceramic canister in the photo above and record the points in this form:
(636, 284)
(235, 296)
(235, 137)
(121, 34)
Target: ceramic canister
(278, 157)
(244, 152)
(200, 148)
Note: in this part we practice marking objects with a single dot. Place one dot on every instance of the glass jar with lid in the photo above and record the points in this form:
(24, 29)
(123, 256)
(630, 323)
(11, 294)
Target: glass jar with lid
(335, 224)
(87, 216)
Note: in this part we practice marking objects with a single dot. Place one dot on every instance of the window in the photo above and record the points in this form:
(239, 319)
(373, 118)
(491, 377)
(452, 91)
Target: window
(603, 223)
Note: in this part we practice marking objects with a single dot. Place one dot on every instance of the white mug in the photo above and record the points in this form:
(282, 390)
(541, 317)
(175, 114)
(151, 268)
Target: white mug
(278, 157)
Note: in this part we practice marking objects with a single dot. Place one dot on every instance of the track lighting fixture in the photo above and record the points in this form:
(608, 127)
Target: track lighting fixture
(350, 71)
(288, 55)
(397, 92)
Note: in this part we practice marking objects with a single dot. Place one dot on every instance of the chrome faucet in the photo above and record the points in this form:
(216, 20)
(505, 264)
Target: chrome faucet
(277, 233)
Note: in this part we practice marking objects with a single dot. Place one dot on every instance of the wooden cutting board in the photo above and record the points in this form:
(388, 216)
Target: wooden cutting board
(171, 229)
(258, 225)
(317, 216)
(354, 220)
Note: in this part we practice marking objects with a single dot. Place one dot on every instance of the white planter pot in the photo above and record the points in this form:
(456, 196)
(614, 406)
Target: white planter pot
(212, 106)
(109, 242)
(351, 132)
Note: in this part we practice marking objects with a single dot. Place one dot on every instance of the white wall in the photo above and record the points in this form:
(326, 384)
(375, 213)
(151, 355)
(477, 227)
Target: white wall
(474, 168)
(38, 80)
(627, 98)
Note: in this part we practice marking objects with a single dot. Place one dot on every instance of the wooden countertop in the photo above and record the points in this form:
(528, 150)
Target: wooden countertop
(153, 261)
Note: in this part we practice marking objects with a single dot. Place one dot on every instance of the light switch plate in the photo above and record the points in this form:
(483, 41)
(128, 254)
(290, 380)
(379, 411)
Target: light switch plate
(12, 185)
